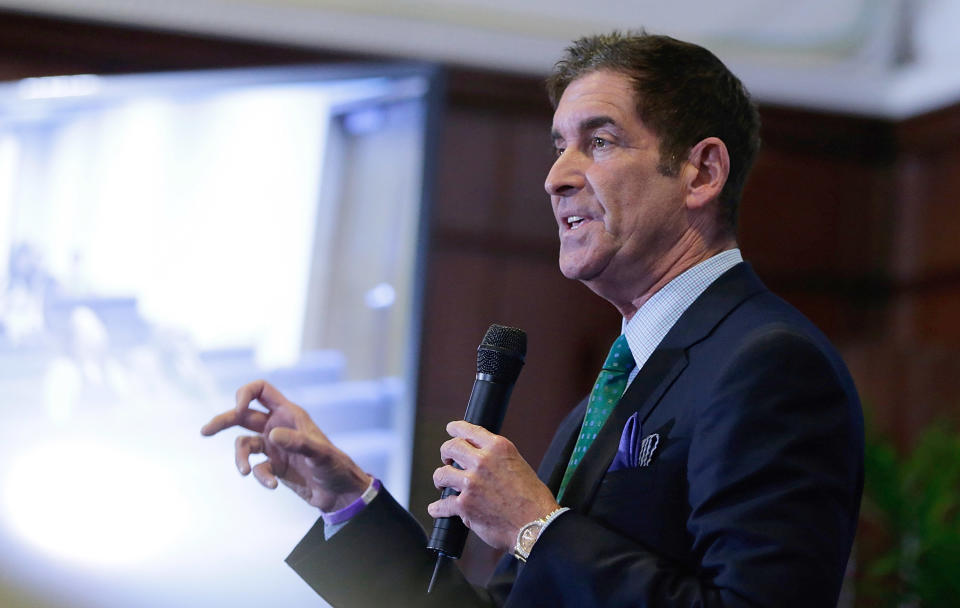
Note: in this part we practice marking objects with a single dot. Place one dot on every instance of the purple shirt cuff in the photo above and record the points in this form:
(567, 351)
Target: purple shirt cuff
(341, 515)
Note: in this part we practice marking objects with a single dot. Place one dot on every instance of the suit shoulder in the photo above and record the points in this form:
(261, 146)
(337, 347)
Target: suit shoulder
(765, 330)
(765, 316)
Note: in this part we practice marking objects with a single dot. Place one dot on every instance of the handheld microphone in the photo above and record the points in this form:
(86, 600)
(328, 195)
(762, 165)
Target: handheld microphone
(500, 358)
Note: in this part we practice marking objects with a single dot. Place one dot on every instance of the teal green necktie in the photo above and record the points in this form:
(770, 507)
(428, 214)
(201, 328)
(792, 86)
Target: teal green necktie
(605, 394)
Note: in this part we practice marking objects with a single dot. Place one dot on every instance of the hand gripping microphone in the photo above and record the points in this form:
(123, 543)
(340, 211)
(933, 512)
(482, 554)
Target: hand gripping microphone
(499, 360)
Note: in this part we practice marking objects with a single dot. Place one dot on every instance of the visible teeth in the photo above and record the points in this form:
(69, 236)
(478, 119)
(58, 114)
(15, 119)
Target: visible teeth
(574, 220)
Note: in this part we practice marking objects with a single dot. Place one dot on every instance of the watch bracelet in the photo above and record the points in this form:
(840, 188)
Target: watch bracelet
(546, 521)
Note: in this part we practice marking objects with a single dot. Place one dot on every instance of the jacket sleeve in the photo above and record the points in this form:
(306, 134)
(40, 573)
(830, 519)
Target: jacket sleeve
(380, 559)
(774, 474)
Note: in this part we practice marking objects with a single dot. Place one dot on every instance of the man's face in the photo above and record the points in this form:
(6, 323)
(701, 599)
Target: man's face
(618, 214)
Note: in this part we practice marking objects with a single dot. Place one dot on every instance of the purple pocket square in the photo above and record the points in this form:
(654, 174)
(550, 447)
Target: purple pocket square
(633, 451)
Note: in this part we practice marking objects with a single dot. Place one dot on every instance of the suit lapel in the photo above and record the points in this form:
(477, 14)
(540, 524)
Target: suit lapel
(660, 370)
(655, 377)
(555, 459)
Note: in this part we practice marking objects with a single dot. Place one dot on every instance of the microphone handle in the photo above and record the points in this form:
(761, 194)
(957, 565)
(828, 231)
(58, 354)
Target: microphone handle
(488, 402)
(486, 408)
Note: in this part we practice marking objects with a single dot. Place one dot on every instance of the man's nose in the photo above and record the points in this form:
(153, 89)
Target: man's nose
(566, 176)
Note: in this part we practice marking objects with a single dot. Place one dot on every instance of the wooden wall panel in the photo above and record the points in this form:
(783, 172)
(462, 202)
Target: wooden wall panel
(490, 192)
(812, 217)
(933, 314)
(527, 214)
(929, 227)
(35, 46)
(465, 189)
(906, 386)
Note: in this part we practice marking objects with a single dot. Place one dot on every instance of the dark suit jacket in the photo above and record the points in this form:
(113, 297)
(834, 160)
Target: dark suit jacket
(750, 499)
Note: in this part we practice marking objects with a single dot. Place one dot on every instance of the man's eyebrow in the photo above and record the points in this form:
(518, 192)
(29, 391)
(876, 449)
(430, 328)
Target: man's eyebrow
(587, 124)
(594, 122)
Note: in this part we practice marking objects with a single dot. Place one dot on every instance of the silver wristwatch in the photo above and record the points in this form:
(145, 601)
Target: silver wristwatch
(529, 534)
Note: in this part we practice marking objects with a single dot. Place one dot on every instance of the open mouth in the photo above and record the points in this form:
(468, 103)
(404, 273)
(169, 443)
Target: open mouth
(575, 221)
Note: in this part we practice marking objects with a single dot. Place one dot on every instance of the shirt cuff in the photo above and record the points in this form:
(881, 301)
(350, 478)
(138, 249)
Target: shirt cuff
(334, 520)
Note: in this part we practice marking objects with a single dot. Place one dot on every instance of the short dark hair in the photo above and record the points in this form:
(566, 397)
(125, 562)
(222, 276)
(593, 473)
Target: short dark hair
(684, 94)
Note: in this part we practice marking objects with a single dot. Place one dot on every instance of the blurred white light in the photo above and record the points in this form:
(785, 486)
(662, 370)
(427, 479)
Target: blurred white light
(93, 503)
(62, 385)
(363, 122)
(49, 87)
(380, 296)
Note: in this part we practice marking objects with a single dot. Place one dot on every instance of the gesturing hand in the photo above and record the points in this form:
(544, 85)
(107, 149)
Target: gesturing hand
(499, 492)
(298, 453)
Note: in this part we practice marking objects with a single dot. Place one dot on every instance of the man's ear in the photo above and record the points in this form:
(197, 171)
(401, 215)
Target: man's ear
(705, 172)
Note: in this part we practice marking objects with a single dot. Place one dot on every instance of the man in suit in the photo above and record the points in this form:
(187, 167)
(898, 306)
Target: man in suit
(718, 460)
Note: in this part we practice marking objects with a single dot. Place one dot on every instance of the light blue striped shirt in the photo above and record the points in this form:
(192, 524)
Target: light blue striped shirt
(657, 315)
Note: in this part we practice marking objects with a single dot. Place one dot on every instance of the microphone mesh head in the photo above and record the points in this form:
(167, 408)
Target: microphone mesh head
(509, 339)
(502, 352)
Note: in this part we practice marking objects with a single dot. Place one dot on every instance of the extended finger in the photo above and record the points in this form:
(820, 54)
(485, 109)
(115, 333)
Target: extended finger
(243, 447)
(220, 422)
(261, 391)
(253, 420)
(264, 474)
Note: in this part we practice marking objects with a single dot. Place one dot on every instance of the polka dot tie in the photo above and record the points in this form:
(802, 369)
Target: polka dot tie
(606, 393)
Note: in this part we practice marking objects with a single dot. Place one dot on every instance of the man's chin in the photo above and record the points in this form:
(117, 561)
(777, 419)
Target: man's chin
(580, 271)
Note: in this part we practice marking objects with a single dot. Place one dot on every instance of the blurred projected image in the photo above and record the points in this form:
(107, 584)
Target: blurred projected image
(165, 239)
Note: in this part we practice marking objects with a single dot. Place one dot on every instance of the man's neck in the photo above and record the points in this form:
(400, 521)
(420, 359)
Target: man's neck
(675, 263)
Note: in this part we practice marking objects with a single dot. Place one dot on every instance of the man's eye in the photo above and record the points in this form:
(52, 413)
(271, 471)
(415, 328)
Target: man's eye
(600, 143)
(558, 151)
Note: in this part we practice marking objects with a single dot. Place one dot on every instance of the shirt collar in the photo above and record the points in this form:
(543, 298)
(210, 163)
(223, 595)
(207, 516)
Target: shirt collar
(657, 315)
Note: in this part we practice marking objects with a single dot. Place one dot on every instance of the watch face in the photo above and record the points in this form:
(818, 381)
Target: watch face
(528, 536)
